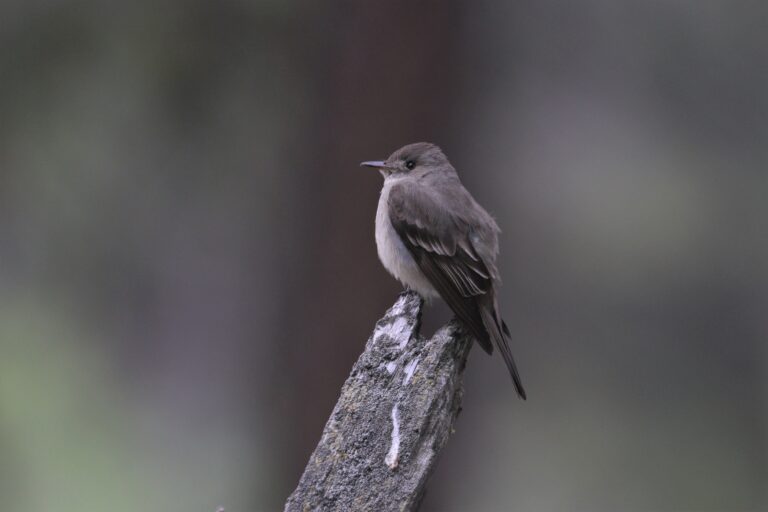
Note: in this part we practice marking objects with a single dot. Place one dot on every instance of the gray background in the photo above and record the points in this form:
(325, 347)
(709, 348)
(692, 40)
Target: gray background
(188, 270)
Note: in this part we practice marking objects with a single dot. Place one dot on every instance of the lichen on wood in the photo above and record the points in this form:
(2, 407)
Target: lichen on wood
(394, 416)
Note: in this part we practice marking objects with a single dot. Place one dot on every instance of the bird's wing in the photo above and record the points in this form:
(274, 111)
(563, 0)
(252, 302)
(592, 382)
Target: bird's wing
(441, 245)
(448, 251)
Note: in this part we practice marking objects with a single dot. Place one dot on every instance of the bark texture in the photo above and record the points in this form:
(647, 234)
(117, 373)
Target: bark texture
(394, 415)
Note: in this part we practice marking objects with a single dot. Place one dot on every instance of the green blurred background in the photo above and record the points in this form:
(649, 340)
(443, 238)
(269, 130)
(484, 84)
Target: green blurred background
(188, 270)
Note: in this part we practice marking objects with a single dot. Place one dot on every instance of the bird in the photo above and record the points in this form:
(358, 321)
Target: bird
(434, 238)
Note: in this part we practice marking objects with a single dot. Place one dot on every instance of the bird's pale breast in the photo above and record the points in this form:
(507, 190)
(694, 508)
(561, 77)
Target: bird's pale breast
(393, 254)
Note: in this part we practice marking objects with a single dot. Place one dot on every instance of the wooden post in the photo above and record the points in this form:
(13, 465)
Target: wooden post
(394, 416)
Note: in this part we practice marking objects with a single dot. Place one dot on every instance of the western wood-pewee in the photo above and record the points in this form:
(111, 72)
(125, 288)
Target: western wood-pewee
(435, 239)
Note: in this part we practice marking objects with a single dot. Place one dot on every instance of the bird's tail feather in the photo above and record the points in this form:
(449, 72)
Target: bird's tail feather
(498, 332)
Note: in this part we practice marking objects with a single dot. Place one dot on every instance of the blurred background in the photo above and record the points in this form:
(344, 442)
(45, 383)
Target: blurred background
(188, 269)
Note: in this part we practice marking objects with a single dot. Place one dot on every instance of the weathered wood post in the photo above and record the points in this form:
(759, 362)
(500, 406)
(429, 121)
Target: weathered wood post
(394, 415)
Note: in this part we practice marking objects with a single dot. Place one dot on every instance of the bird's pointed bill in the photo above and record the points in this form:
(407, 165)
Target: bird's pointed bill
(377, 164)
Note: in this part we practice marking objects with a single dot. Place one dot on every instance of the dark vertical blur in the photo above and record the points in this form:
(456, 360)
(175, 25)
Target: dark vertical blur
(187, 265)
(371, 89)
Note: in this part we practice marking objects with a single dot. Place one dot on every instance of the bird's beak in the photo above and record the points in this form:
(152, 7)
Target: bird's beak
(377, 164)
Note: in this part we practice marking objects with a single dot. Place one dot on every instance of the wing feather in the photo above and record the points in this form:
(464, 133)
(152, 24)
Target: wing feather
(441, 247)
(455, 258)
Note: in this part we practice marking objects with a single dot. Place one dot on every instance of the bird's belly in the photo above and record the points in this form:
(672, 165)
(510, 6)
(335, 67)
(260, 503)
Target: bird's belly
(395, 256)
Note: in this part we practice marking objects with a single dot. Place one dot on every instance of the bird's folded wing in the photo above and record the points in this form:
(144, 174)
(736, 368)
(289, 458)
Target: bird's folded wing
(441, 245)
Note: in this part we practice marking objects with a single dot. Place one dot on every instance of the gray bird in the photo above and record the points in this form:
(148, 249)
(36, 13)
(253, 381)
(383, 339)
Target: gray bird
(434, 238)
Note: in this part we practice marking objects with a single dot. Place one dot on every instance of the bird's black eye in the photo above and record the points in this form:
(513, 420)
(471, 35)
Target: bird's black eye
(410, 164)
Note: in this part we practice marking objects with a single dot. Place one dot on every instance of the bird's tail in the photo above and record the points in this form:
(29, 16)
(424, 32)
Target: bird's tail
(499, 334)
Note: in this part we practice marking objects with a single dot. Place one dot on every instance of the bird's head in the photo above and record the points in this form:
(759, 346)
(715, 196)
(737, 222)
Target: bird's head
(418, 159)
